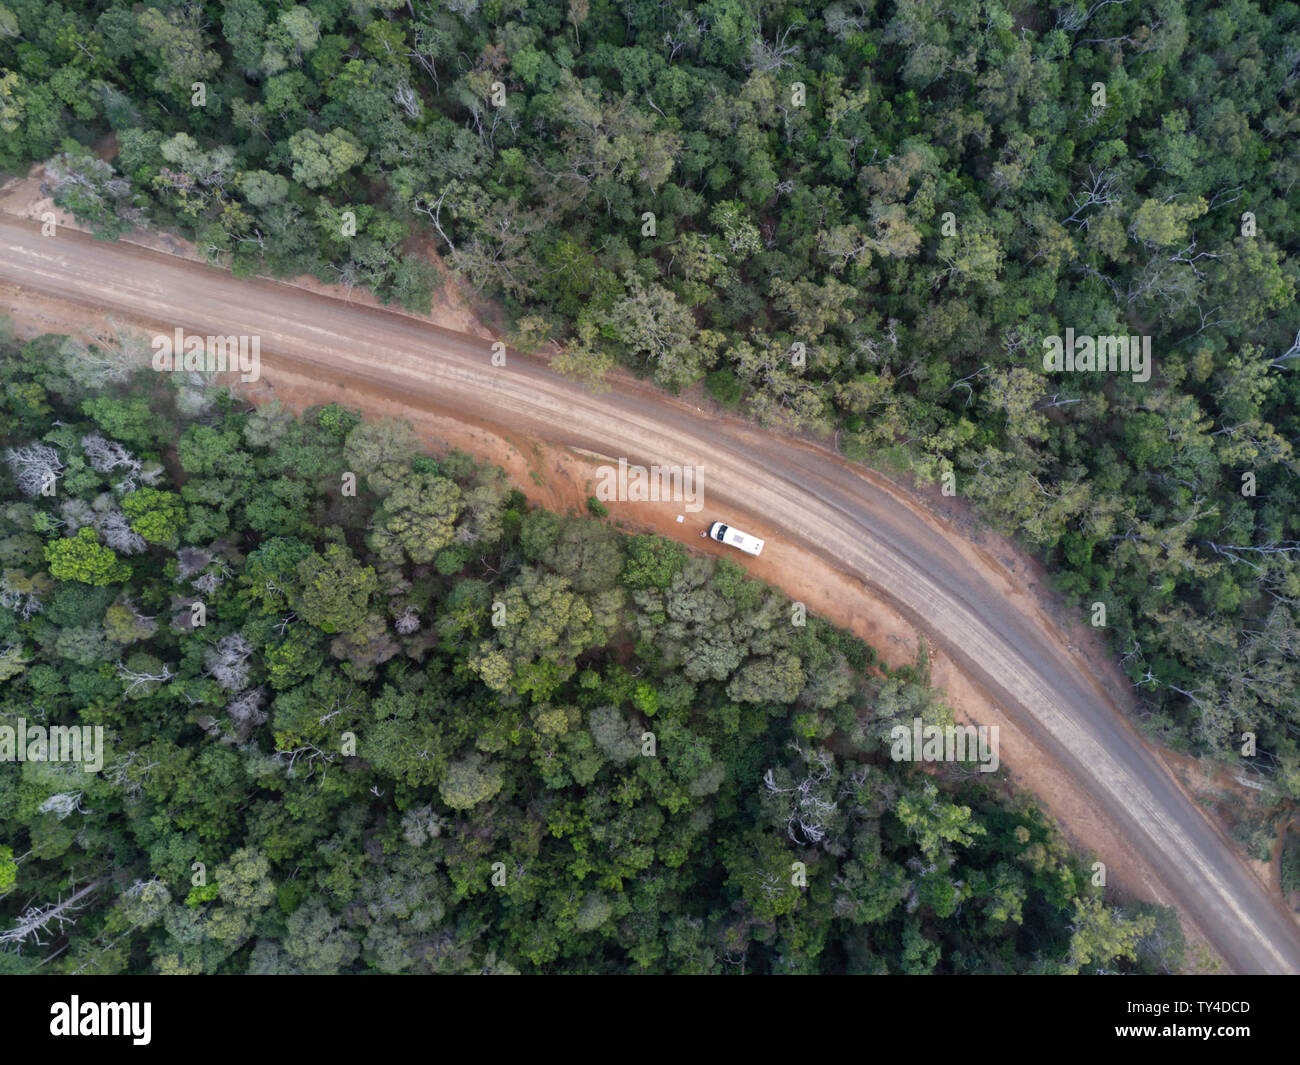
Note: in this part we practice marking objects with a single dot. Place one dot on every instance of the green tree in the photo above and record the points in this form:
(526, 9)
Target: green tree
(469, 781)
(83, 558)
(418, 518)
(335, 589)
(320, 159)
(155, 514)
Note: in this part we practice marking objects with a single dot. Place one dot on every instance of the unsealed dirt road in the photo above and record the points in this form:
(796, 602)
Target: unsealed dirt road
(812, 508)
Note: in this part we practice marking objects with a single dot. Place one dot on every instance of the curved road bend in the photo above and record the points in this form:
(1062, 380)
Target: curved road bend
(804, 494)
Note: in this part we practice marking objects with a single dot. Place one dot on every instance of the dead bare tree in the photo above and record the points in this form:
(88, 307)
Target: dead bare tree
(409, 101)
(434, 212)
(36, 468)
(130, 774)
(810, 812)
(210, 580)
(1099, 191)
(1293, 352)
(246, 713)
(136, 679)
(309, 754)
(227, 662)
(34, 924)
(422, 52)
(963, 383)
(765, 56)
(118, 534)
(688, 32)
(106, 355)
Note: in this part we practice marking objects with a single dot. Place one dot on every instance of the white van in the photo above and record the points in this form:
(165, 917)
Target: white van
(725, 534)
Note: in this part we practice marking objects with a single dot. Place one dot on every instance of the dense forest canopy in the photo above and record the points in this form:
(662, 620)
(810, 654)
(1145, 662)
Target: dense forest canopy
(910, 195)
(424, 728)
(858, 218)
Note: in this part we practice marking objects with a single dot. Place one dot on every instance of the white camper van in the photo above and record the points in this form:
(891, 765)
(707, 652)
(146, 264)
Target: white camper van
(725, 534)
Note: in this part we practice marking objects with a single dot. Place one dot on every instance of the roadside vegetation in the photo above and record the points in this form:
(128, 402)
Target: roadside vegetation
(421, 727)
